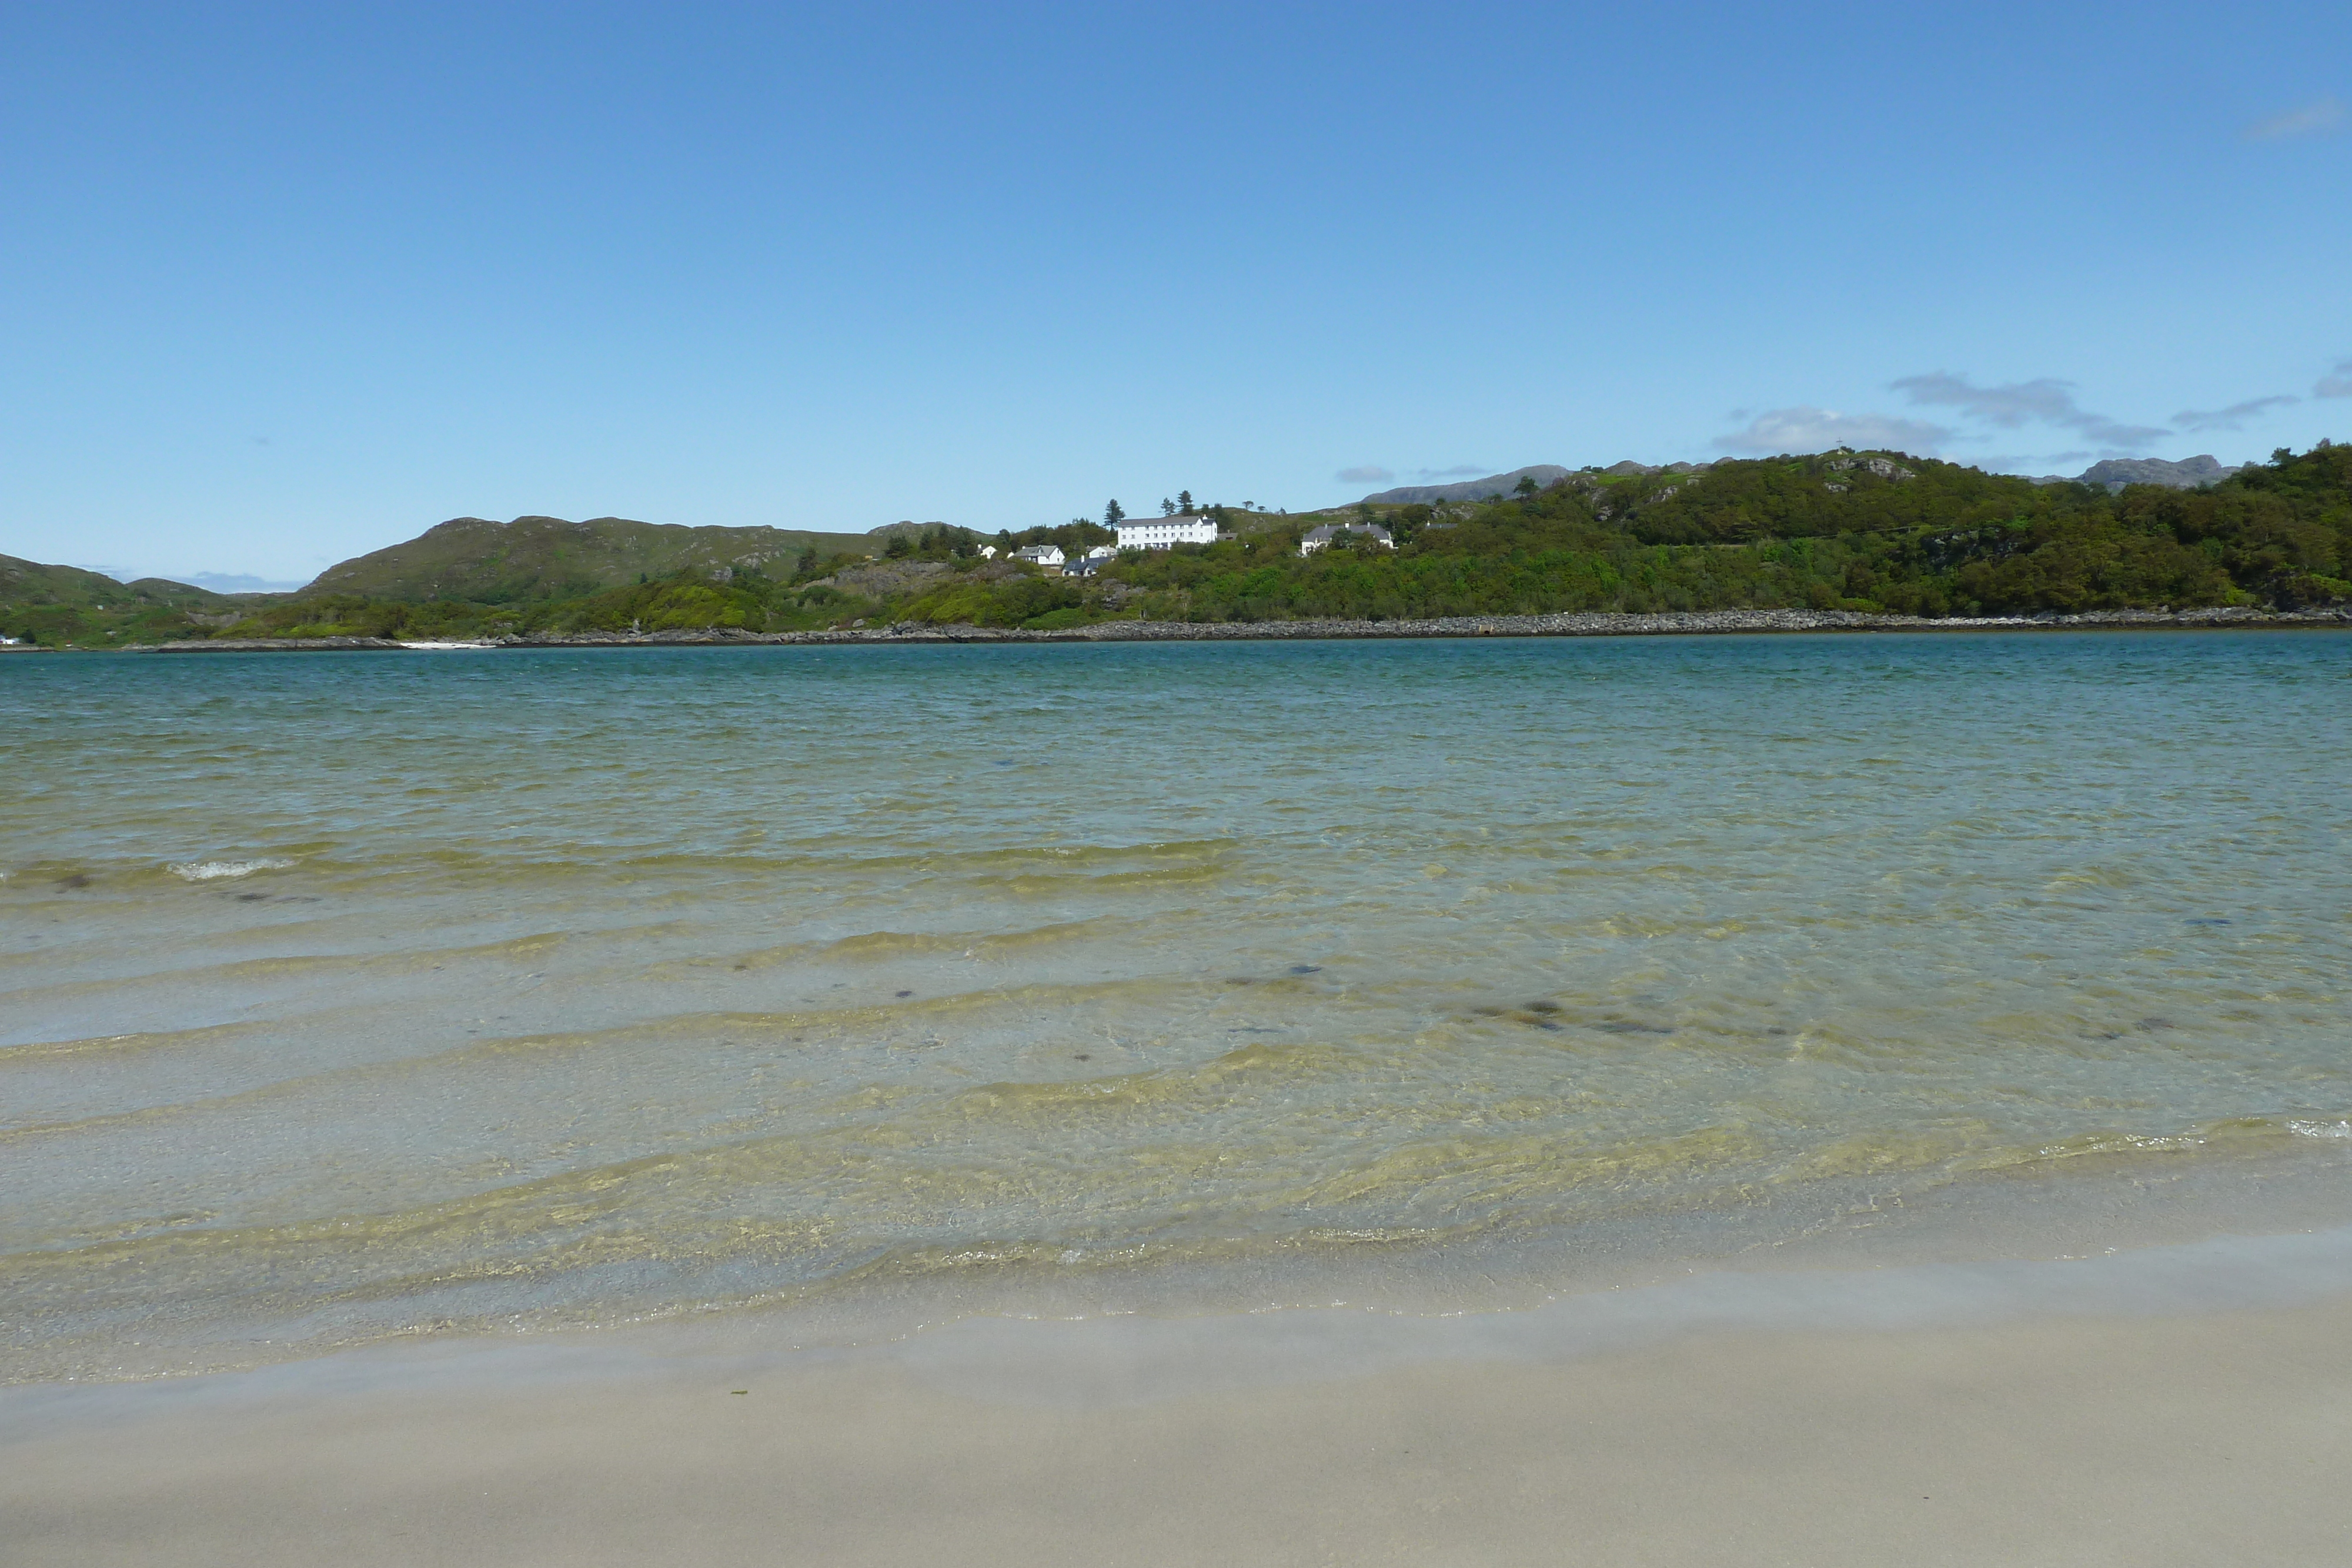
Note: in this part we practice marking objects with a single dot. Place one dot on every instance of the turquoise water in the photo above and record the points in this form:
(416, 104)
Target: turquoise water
(346, 995)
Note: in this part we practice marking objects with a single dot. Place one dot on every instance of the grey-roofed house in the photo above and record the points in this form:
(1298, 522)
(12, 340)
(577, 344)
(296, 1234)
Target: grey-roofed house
(1322, 536)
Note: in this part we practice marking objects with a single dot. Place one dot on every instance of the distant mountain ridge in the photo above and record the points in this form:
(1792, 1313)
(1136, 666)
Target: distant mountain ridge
(210, 581)
(2114, 472)
(235, 583)
(1543, 474)
(1469, 490)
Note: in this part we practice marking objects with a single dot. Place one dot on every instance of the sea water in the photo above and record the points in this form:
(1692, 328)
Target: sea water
(346, 995)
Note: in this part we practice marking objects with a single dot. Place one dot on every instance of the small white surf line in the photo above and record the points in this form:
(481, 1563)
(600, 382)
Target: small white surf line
(214, 870)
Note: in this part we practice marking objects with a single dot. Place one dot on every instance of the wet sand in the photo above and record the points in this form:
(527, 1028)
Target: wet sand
(2198, 1437)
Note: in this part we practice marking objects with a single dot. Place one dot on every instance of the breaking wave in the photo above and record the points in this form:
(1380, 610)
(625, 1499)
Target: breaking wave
(216, 871)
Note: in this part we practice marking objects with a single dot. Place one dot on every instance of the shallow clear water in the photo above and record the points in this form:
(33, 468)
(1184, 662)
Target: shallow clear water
(351, 995)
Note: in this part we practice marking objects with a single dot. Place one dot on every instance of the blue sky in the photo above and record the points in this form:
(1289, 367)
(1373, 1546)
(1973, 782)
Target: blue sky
(288, 283)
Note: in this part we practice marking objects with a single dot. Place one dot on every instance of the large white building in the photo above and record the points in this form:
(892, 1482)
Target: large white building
(1159, 533)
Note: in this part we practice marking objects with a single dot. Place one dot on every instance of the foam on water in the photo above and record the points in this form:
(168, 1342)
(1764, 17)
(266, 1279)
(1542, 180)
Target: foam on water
(220, 870)
(599, 987)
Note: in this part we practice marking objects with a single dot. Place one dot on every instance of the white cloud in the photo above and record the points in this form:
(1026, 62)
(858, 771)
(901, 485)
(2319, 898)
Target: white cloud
(2316, 118)
(2045, 398)
(2336, 385)
(1808, 429)
(2233, 417)
(1368, 474)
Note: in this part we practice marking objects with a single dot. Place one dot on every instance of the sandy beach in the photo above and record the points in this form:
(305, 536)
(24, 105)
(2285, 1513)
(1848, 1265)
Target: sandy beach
(2036, 1433)
(1638, 1100)
(1014, 787)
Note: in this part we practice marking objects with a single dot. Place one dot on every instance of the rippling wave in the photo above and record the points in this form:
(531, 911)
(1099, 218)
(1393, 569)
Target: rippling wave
(347, 997)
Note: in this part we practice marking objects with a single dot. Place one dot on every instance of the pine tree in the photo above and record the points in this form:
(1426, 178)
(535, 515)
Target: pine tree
(1112, 514)
(1184, 502)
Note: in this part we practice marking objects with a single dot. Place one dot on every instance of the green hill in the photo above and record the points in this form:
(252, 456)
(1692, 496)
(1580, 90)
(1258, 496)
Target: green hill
(485, 567)
(64, 605)
(1862, 531)
(486, 562)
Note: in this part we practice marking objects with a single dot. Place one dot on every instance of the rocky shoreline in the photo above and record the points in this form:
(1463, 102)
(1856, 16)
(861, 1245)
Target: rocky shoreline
(1672, 623)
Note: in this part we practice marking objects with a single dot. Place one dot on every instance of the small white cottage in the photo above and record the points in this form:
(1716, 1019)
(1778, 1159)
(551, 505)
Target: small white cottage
(1322, 536)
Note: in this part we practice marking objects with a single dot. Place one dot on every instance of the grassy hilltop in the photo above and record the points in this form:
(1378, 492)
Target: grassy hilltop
(1869, 531)
(485, 562)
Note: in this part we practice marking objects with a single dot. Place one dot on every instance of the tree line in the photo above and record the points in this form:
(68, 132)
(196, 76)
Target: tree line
(1862, 531)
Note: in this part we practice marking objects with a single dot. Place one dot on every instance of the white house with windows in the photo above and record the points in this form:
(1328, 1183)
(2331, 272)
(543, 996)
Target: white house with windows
(1048, 556)
(1321, 537)
(1160, 533)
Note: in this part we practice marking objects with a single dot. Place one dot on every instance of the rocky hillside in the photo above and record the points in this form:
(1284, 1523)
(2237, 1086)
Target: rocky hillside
(2113, 474)
(2188, 473)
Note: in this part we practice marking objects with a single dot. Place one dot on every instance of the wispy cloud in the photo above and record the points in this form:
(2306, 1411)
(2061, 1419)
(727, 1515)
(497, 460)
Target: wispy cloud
(1808, 429)
(2233, 417)
(2336, 385)
(2008, 407)
(1368, 474)
(2031, 462)
(2316, 118)
(2045, 400)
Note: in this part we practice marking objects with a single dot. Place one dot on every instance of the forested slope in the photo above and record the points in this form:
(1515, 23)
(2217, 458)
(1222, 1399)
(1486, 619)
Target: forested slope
(1841, 530)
